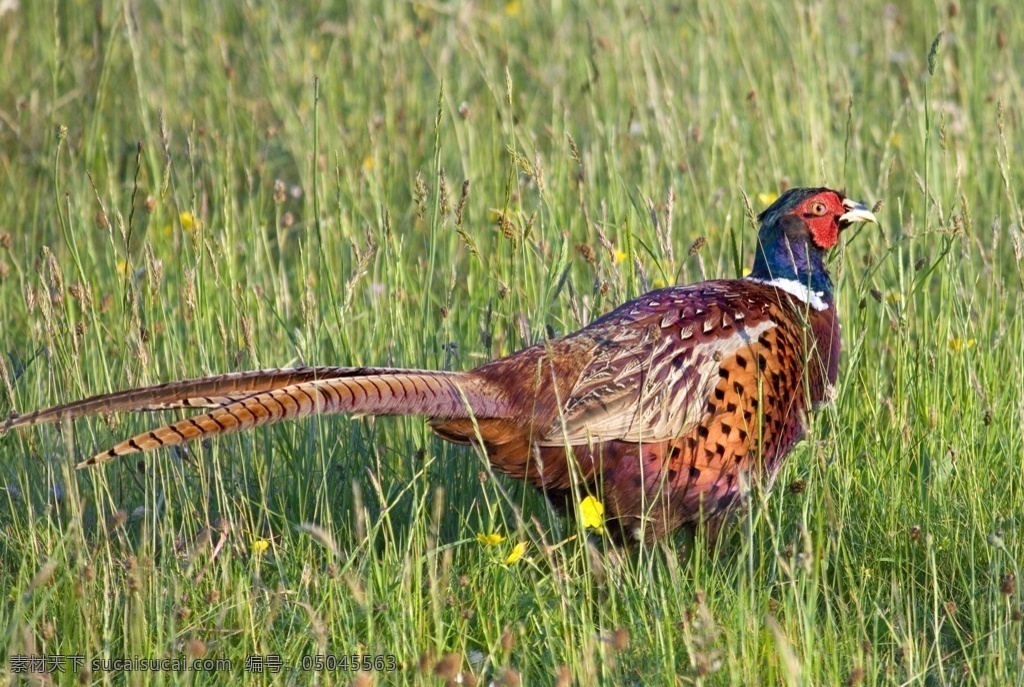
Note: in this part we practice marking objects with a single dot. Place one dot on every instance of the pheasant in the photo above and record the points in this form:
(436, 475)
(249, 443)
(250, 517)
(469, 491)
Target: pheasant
(668, 407)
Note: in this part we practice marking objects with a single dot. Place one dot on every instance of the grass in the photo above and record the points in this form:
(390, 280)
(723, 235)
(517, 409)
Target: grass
(207, 187)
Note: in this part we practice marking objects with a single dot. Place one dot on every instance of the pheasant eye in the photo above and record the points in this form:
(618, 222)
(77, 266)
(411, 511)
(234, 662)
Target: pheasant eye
(818, 208)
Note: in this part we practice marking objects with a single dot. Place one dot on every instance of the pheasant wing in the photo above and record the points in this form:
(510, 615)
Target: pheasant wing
(655, 364)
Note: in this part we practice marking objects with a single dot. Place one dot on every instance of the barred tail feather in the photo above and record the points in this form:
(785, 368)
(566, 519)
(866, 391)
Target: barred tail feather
(201, 392)
(439, 395)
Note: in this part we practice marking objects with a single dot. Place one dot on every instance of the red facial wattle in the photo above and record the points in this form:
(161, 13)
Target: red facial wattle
(824, 231)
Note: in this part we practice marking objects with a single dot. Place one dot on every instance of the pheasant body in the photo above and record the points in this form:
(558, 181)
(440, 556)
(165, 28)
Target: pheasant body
(668, 407)
(687, 391)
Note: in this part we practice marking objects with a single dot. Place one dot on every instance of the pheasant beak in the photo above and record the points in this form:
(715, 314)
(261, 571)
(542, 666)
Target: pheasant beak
(855, 212)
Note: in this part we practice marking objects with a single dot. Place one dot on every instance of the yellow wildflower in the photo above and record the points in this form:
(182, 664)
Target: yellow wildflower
(259, 546)
(513, 8)
(517, 552)
(368, 163)
(767, 199)
(620, 256)
(592, 514)
(190, 223)
(956, 345)
(491, 539)
(746, 271)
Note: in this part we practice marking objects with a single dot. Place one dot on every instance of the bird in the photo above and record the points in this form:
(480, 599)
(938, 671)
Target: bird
(668, 408)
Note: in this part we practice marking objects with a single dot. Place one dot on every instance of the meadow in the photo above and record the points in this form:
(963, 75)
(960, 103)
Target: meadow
(199, 187)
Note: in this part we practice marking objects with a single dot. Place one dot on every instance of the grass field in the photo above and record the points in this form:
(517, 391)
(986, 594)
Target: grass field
(216, 186)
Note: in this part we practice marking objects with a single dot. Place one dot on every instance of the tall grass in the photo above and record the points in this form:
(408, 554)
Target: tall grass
(206, 187)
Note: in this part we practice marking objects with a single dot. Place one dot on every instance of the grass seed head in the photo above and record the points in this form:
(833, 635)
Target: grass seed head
(1008, 585)
(587, 253)
(510, 678)
(448, 667)
(620, 639)
(362, 680)
(508, 640)
(195, 648)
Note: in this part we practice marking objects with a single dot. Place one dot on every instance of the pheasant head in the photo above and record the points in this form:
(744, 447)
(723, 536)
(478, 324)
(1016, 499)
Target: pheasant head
(797, 231)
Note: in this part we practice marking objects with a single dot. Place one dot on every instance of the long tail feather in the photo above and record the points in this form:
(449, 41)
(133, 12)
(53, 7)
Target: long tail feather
(439, 395)
(202, 392)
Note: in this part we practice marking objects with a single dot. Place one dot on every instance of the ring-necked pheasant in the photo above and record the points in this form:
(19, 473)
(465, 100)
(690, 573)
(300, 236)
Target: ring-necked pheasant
(666, 407)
